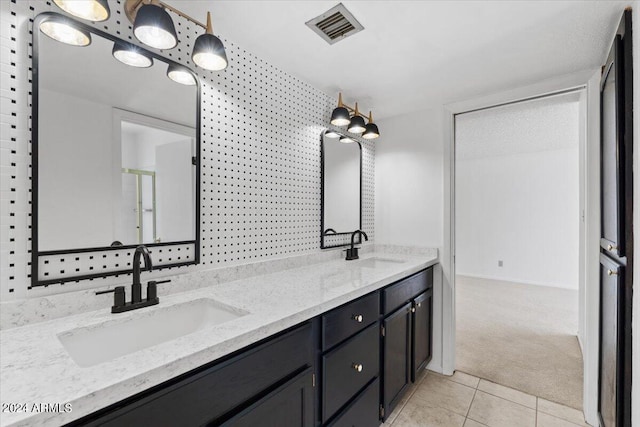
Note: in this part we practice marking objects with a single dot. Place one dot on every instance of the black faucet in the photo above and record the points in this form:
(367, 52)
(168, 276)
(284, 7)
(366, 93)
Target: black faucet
(136, 287)
(352, 252)
(119, 303)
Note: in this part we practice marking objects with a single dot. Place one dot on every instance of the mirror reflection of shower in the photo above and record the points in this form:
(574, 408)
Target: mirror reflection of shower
(156, 203)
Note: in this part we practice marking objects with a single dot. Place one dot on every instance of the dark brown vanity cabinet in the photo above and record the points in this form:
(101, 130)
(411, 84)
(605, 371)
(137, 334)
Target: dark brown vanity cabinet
(257, 382)
(397, 356)
(347, 367)
(354, 362)
(421, 325)
(407, 334)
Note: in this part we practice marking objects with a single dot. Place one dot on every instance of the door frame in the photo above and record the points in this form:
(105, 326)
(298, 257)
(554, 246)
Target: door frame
(588, 81)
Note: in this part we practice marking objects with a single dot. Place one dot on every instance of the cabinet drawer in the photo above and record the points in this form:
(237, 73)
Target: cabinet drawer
(348, 368)
(363, 411)
(345, 321)
(290, 405)
(205, 396)
(396, 295)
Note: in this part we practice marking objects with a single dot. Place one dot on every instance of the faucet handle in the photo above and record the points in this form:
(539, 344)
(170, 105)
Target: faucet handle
(118, 295)
(152, 289)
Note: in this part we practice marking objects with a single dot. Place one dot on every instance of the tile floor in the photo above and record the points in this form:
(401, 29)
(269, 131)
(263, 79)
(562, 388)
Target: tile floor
(463, 400)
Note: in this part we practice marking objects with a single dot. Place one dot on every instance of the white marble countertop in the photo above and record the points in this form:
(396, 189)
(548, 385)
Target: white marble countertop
(36, 369)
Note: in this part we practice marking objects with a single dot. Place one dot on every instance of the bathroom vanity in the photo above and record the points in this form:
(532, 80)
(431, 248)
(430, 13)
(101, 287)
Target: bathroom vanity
(353, 355)
(332, 343)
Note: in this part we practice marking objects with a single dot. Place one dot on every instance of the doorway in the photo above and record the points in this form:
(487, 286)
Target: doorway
(517, 222)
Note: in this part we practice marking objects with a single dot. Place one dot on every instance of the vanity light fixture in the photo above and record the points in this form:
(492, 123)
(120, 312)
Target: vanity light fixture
(340, 115)
(180, 74)
(208, 50)
(62, 29)
(153, 26)
(344, 115)
(371, 129)
(346, 140)
(356, 125)
(91, 10)
(130, 54)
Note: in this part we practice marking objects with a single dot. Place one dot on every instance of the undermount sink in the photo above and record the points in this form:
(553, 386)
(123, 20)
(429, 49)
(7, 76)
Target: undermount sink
(92, 345)
(378, 262)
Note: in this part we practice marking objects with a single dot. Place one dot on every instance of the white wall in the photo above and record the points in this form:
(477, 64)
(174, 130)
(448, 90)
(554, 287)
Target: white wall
(517, 197)
(75, 168)
(409, 180)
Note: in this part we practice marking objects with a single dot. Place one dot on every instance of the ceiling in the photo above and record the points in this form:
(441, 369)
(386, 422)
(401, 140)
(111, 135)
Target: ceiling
(546, 124)
(416, 54)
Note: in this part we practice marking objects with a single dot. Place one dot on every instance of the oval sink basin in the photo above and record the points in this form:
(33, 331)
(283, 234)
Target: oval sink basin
(378, 262)
(104, 342)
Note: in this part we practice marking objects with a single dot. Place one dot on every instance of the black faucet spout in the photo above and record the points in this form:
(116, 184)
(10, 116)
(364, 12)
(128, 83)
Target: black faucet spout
(352, 252)
(148, 265)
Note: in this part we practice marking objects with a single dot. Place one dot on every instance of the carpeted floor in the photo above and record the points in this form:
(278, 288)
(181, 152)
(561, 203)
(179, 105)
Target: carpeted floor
(521, 336)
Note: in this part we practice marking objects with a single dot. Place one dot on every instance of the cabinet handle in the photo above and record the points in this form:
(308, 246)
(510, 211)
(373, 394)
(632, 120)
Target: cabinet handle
(358, 318)
(357, 366)
(413, 309)
(419, 304)
(612, 273)
(611, 247)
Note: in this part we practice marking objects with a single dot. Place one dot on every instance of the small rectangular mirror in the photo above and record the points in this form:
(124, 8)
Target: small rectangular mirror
(115, 147)
(341, 189)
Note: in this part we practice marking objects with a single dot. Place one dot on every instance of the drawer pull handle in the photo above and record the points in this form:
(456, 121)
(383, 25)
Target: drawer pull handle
(612, 273)
(611, 247)
(358, 318)
(357, 366)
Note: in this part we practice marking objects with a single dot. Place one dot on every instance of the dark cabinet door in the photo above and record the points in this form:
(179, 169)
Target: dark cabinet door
(290, 405)
(612, 152)
(397, 356)
(611, 341)
(422, 319)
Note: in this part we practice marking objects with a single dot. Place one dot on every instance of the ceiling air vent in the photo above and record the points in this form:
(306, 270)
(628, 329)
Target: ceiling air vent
(335, 24)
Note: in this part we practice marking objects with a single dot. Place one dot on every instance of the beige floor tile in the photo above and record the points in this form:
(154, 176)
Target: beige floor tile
(496, 412)
(438, 391)
(470, 423)
(403, 401)
(546, 420)
(465, 379)
(416, 414)
(560, 411)
(508, 393)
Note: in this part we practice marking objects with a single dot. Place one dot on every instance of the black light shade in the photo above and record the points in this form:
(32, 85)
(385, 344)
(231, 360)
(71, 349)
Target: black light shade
(340, 117)
(208, 50)
(209, 53)
(153, 26)
(62, 29)
(356, 125)
(371, 131)
(180, 74)
(130, 54)
(91, 10)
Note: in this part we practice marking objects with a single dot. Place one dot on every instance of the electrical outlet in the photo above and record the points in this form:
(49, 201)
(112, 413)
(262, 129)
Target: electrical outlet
(499, 263)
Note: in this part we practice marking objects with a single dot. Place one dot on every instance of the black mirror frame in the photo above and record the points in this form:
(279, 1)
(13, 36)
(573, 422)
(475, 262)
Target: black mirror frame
(35, 253)
(324, 232)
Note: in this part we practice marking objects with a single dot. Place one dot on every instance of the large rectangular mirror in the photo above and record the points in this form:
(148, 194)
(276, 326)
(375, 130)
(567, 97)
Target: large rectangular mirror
(115, 149)
(341, 189)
